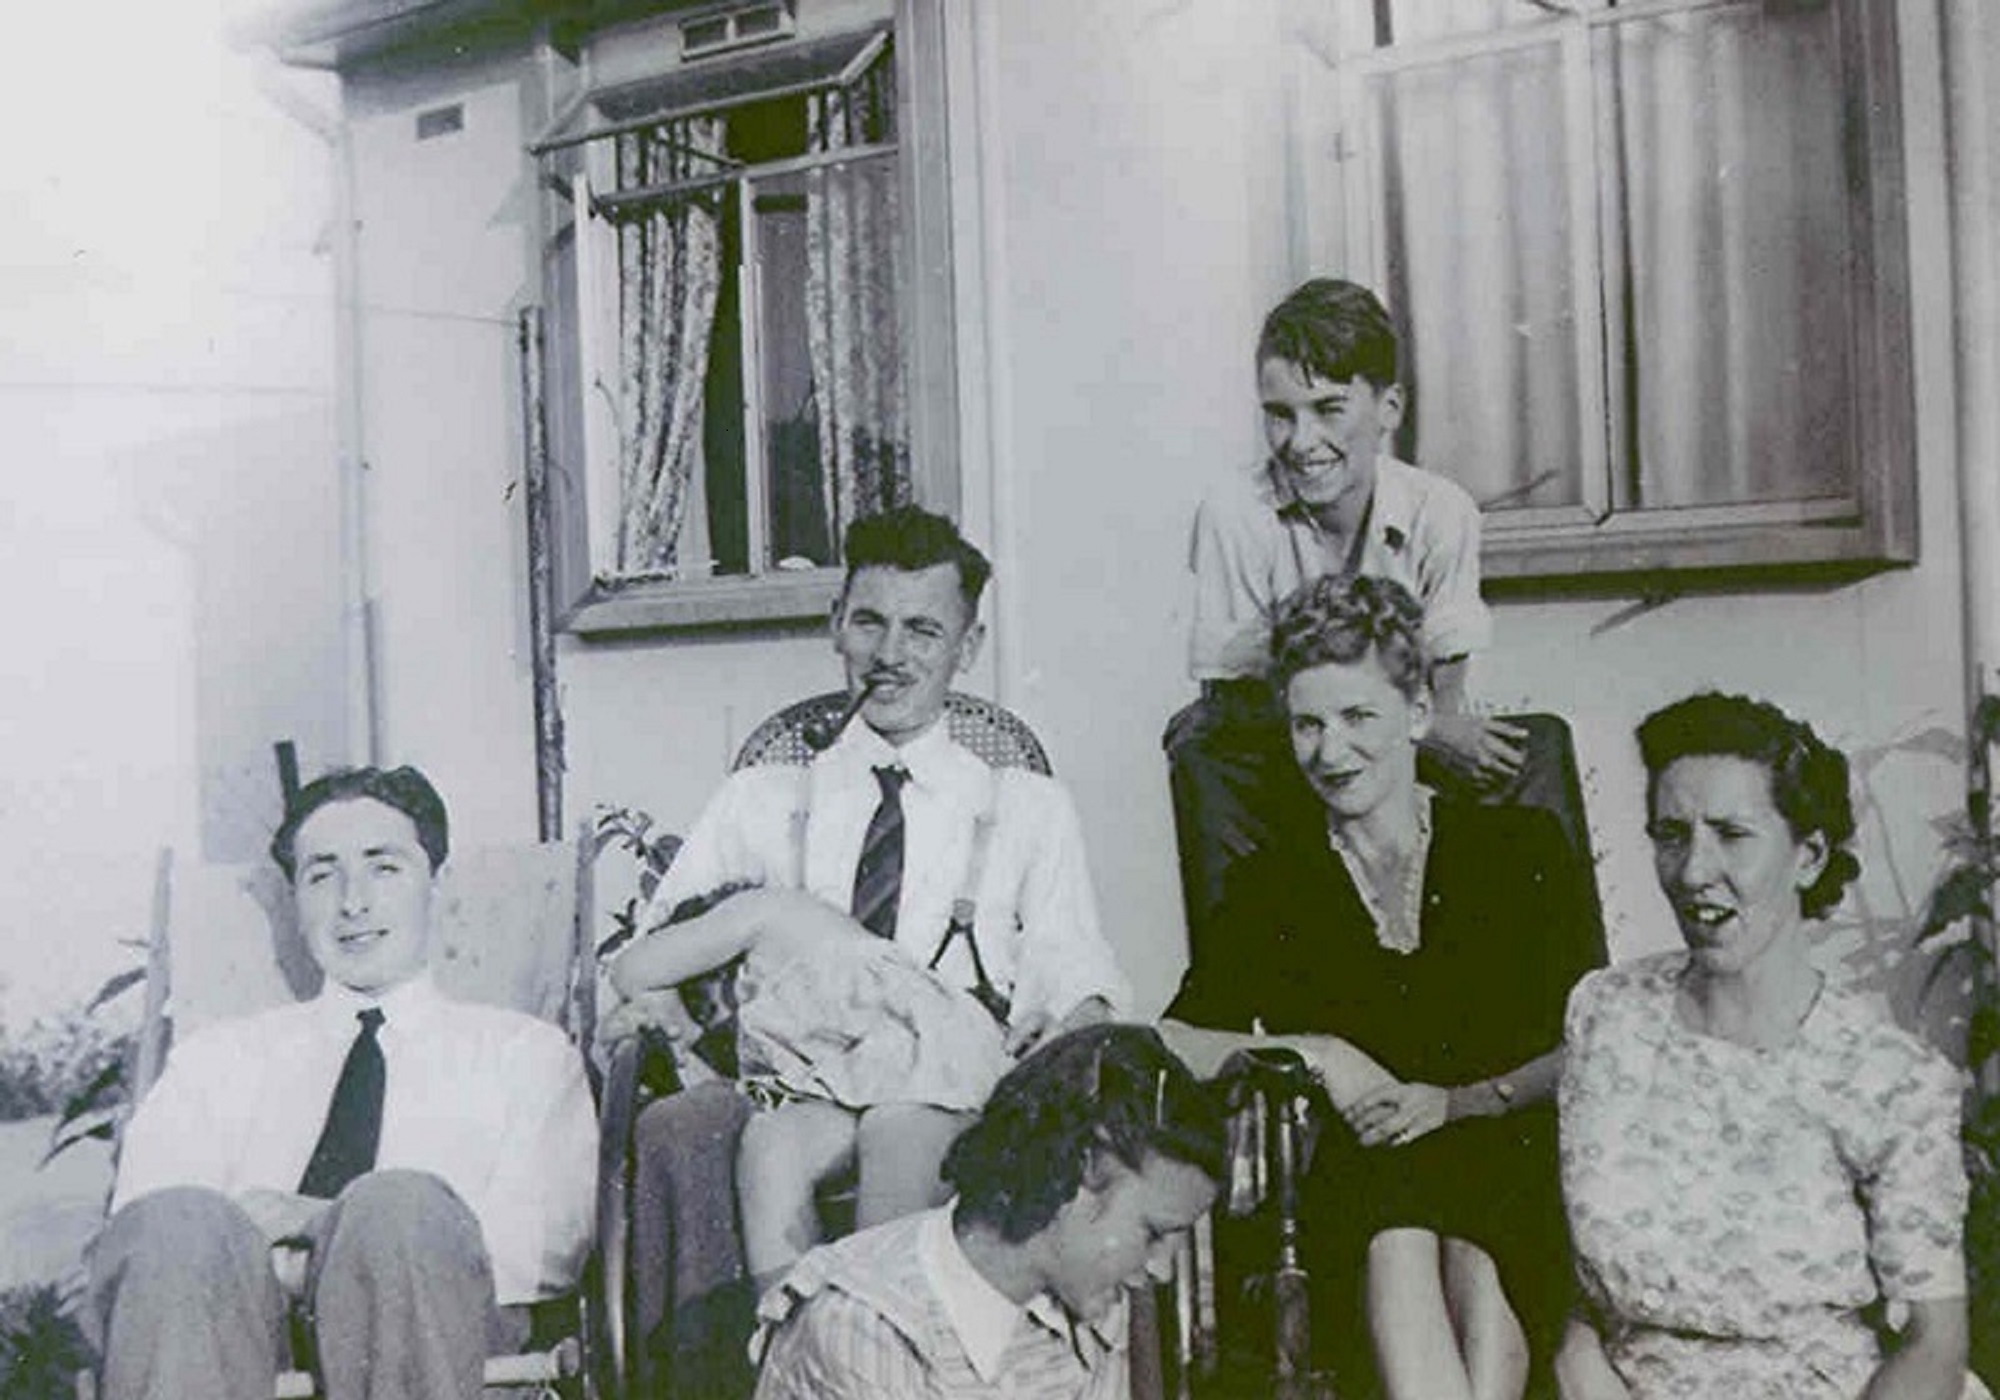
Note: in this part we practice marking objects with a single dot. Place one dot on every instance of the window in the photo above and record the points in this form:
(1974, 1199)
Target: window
(734, 371)
(1647, 260)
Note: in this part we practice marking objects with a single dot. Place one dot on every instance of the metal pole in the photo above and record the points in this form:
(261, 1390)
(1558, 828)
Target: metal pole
(541, 621)
(1974, 191)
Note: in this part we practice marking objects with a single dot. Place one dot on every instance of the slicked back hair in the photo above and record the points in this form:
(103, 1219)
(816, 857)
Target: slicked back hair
(1333, 330)
(910, 539)
(405, 789)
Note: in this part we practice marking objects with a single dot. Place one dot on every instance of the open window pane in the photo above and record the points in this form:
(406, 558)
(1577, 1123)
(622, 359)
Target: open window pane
(762, 400)
(1728, 200)
(1477, 267)
(1370, 24)
(797, 503)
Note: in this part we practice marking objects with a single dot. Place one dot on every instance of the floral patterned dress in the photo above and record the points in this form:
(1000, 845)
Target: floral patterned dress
(1733, 1209)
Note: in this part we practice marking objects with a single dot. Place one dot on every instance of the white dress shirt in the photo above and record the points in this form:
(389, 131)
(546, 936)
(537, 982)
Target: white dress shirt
(494, 1102)
(1253, 545)
(1037, 919)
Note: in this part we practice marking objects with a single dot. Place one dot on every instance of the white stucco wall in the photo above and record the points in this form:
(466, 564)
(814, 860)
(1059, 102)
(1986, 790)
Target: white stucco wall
(166, 551)
(1122, 172)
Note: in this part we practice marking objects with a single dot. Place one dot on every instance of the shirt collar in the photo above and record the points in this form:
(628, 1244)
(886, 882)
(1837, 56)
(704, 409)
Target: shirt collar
(984, 1318)
(927, 758)
(1389, 513)
(401, 1005)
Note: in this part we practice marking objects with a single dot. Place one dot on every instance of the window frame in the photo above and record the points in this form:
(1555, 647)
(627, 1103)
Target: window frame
(1597, 543)
(583, 502)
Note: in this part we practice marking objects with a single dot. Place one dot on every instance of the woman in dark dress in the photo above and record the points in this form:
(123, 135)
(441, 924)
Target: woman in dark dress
(1417, 953)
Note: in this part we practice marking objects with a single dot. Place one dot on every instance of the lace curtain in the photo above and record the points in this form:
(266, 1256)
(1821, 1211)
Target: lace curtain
(854, 297)
(669, 273)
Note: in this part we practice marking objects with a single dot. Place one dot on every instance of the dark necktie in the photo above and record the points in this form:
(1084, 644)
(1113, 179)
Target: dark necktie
(354, 1118)
(878, 878)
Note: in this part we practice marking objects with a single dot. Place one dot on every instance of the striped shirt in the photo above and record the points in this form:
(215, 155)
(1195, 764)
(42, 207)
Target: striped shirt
(898, 1312)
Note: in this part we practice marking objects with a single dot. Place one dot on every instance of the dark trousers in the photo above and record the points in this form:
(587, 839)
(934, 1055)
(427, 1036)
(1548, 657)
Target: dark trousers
(693, 1301)
(398, 1298)
(1234, 782)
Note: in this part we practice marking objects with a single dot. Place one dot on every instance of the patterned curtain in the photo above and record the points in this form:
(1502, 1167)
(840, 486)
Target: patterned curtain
(854, 292)
(669, 272)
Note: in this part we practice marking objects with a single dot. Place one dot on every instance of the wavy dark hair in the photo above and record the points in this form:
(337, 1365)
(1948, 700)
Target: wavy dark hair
(1333, 330)
(911, 538)
(1344, 617)
(1809, 784)
(405, 789)
(1104, 1089)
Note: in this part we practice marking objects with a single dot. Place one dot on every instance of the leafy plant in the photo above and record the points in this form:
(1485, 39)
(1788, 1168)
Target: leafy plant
(41, 1346)
(631, 830)
(89, 1103)
(1964, 891)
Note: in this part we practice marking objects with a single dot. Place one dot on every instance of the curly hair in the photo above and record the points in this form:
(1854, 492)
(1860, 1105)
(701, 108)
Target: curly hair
(1333, 330)
(1809, 784)
(1113, 1089)
(405, 789)
(911, 538)
(1344, 617)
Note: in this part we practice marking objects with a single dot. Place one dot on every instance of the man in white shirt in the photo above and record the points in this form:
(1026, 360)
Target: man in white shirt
(410, 1170)
(905, 626)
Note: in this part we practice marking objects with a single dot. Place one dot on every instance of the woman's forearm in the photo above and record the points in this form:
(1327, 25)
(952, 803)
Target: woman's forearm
(1532, 1082)
(1346, 1071)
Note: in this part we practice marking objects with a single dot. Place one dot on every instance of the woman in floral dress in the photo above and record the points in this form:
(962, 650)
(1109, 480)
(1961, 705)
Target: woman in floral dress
(1752, 1158)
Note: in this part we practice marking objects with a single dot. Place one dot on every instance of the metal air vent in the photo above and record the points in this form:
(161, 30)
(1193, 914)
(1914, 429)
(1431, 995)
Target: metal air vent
(740, 27)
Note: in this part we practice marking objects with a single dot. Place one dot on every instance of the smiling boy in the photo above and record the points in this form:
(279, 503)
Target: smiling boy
(1328, 499)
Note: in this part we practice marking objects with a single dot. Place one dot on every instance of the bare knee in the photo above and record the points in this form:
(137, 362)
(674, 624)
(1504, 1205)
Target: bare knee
(1398, 1253)
(1469, 1266)
(907, 1130)
(792, 1148)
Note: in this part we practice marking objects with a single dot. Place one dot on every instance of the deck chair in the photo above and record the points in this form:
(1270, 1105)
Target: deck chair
(1274, 1105)
(513, 928)
(705, 1290)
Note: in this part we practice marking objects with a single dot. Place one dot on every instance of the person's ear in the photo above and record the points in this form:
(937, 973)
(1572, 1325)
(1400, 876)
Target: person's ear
(1390, 404)
(1814, 852)
(1423, 709)
(968, 647)
(1094, 1183)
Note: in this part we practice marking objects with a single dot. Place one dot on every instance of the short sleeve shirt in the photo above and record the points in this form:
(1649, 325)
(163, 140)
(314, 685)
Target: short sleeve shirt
(1253, 544)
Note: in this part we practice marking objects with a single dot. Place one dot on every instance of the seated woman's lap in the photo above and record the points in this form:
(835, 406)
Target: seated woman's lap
(1492, 1182)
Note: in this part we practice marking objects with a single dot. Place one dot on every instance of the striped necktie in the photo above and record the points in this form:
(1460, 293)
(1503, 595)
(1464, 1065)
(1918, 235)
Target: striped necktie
(354, 1117)
(878, 877)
